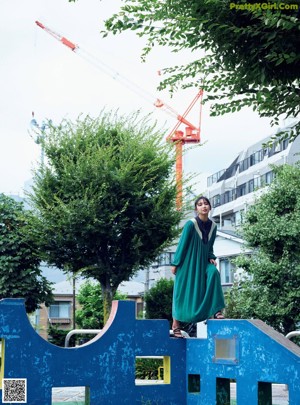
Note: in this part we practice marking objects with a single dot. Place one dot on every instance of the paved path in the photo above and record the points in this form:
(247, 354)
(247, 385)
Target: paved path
(71, 395)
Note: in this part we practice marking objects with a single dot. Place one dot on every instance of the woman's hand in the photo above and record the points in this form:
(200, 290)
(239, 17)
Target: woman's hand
(173, 270)
(212, 261)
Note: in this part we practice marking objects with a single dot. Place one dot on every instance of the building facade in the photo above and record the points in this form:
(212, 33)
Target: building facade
(232, 189)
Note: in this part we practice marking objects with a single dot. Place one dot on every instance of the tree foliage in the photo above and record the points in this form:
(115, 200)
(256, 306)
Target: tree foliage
(246, 54)
(105, 201)
(159, 300)
(90, 312)
(57, 336)
(20, 273)
(272, 230)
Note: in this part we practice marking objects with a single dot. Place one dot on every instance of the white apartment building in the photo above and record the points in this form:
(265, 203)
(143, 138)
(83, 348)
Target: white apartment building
(232, 189)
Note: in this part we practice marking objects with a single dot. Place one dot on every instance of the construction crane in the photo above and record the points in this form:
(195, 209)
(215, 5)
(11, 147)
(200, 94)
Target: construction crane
(178, 137)
(191, 135)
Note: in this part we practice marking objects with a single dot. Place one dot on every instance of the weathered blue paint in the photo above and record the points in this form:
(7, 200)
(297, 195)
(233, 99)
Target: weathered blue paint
(107, 363)
(263, 355)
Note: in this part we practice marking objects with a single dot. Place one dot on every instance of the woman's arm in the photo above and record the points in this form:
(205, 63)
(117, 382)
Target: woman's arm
(211, 255)
(182, 247)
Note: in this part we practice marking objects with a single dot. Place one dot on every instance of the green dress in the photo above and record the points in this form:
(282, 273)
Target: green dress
(197, 290)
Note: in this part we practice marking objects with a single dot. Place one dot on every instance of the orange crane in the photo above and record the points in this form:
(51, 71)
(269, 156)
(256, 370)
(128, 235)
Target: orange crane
(191, 135)
(192, 132)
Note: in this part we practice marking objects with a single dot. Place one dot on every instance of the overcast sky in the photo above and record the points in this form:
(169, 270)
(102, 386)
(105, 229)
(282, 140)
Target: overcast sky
(39, 74)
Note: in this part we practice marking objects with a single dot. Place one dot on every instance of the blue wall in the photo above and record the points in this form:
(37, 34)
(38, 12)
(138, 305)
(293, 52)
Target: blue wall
(247, 351)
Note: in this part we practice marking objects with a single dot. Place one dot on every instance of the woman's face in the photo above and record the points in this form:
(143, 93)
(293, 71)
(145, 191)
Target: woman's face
(202, 207)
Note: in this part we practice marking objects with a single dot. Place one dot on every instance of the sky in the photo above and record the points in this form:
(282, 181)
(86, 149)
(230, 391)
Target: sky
(40, 74)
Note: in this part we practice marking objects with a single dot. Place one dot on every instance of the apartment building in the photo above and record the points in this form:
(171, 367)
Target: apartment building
(232, 190)
(61, 312)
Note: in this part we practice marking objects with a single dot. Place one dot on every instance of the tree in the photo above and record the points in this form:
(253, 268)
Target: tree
(272, 230)
(90, 314)
(57, 336)
(242, 55)
(105, 201)
(20, 273)
(159, 300)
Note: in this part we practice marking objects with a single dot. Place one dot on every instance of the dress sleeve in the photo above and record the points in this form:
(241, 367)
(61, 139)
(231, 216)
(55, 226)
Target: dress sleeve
(211, 254)
(183, 244)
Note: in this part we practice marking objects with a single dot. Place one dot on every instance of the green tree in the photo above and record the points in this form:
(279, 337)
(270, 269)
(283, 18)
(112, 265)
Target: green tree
(159, 300)
(272, 230)
(20, 273)
(105, 201)
(57, 336)
(90, 314)
(246, 54)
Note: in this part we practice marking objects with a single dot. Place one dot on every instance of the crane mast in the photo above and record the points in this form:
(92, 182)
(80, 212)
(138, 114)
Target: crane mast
(178, 137)
(191, 135)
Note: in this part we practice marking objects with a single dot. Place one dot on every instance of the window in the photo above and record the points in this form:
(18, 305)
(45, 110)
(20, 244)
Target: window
(241, 190)
(226, 271)
(226, 349)
(152, 370)
(244, 164)
(216, 201)
(165, 259)
(228, 196)
(269, 393)
(61, 309)
(225, 391)
(251, 186)
(269, 177)
(239, 217)
(285, 144)
(252, 159)
(257, 181)
(215, 177)
(194, 383)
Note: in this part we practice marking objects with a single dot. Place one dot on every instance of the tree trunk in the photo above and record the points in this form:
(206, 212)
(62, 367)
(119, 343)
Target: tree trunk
(108, 293)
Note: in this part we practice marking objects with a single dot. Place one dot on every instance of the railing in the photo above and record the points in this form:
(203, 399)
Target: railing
(293, 334)
(80, 332)
(289, 336)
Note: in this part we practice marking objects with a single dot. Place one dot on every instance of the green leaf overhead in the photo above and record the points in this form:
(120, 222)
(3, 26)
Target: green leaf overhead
(242, 54)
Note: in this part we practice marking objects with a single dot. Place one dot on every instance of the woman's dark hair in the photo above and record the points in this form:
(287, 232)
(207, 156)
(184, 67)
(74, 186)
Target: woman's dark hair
(202, 198)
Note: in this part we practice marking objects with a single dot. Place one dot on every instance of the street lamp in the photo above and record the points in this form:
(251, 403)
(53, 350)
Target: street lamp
(39, 131)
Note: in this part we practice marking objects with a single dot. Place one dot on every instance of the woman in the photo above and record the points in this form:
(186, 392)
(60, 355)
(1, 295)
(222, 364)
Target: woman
(197, 292)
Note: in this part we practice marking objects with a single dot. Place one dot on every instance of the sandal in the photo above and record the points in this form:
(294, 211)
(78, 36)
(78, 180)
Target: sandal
(219, 315)
(177, 333)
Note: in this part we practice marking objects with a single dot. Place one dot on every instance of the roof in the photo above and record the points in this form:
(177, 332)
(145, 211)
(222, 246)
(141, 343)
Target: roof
(131, 288)
(231, 235)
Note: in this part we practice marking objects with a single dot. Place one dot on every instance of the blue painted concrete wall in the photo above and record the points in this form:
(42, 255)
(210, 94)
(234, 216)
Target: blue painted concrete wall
(261, 355)
(107, 363)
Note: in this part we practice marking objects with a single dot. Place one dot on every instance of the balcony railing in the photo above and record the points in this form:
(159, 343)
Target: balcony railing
(243, 189)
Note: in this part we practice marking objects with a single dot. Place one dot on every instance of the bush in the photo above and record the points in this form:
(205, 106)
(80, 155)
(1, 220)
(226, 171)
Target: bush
(159, 300)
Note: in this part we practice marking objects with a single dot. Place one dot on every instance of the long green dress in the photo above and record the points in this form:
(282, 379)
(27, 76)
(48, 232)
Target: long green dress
(197, 290)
